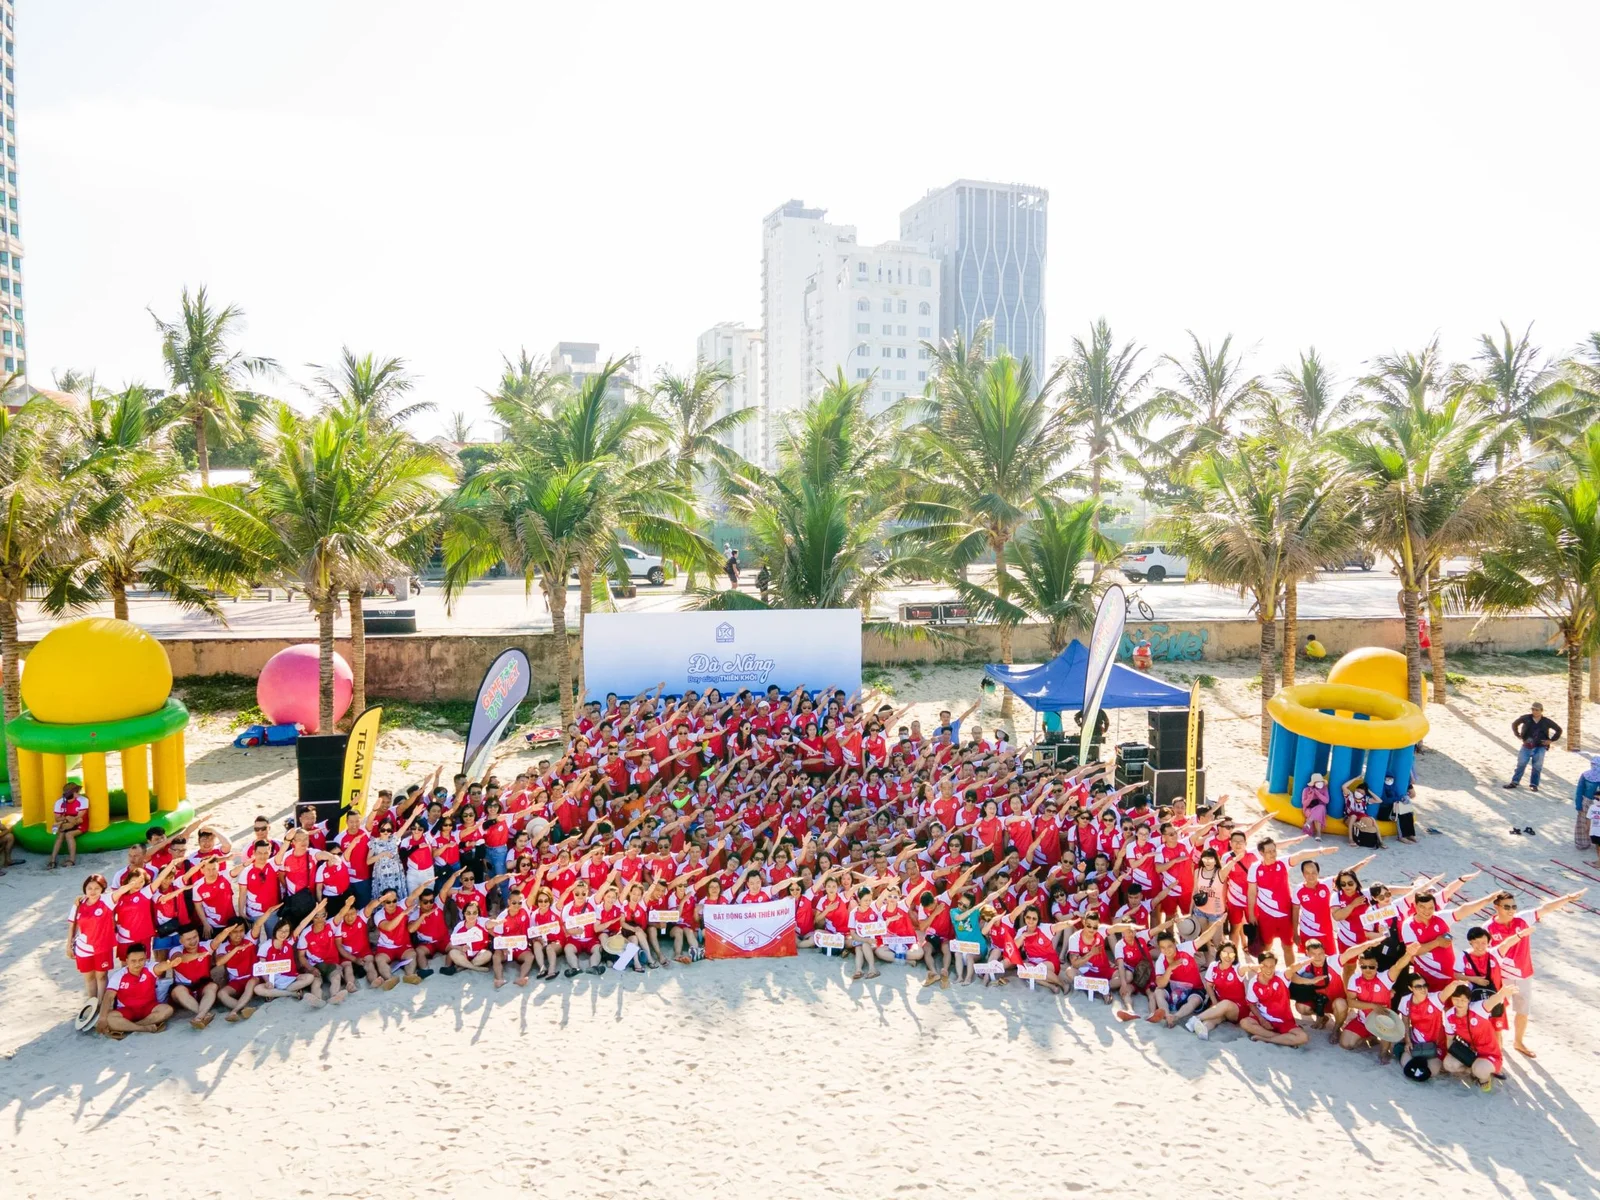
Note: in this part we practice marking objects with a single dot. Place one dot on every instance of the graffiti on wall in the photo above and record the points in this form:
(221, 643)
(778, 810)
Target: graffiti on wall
(1166, 644)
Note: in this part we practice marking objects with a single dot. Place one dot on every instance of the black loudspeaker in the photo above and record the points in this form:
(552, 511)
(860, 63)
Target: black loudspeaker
(1169, 787)
(1169, 739)
(320, 759)
(1131, 758)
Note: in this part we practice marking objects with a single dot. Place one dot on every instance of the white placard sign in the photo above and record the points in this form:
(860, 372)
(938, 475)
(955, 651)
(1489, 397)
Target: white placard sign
(629, 653)
(665, 916)
(1095, 987)
(828, 941)
(1029, 970)
(273, 966)
(964, 947)
(510, 941)
(988, 968)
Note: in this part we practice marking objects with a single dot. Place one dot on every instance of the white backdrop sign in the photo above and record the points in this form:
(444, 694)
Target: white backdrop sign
(628, 653)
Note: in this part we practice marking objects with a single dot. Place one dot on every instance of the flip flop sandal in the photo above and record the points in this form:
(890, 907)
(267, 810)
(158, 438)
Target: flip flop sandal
(1515, 830)
(1529, 830)
(571, 972)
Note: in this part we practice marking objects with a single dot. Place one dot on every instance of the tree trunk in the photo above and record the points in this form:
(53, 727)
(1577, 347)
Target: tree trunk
(585, 607)
(1095, 482)
(1002, 588)
(200, 450)
(1291, 630)
(119, 599)
(1269, 635)
(1594, 677)
(1574, 693)
(11, 679)
(555, 595)
(1436, 632)
(1408, 605)
(325, 665)
(358, 654)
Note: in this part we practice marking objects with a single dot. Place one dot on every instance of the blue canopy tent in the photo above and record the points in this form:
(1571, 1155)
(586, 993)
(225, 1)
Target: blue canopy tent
(1057, 686)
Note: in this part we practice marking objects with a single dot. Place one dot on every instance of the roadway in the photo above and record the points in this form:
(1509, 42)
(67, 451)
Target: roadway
(500, 606)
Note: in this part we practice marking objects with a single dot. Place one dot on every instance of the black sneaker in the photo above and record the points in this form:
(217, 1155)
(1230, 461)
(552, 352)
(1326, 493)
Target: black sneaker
(1533, 787)
(1511, 787)
(450, 970)
(425, 972)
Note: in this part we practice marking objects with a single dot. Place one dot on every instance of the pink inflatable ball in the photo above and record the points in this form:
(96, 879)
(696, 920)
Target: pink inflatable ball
(287, 689)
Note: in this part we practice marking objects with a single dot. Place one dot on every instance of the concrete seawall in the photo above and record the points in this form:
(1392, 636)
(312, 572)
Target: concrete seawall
(449, 666)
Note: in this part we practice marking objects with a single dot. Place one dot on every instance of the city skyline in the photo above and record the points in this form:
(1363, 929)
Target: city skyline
(347, 183)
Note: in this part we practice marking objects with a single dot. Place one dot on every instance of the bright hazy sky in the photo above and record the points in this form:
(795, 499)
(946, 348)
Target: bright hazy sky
(448, 181)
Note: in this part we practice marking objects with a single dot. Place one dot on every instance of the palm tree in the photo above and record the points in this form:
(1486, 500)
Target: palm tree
(990, 443)
(1306, 398)
(1550, 560)
(1583, 370)
(39, 497)
(1526, 396)
(458, 428)
(206, 374)
(369, 389)
(1238, 522)
(641, 491)
(367, 394)
(816, 519)
(1211, 392)
(1047, 586)
(126, 459)
(689, 404)
(528, 389)
(1102, 404)
(332, 501)
(539, 521)
(1420, 463)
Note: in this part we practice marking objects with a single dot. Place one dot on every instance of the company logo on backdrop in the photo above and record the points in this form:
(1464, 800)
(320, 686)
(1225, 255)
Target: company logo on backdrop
(707, 670)
(724, 633)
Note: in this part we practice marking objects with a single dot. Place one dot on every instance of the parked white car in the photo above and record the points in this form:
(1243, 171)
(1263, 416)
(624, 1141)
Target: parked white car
(644, 566)
(1151, 561)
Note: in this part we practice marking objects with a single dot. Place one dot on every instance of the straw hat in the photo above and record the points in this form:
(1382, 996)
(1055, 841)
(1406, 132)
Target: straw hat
(614, 943)
(1386, 1025)
(538, 828)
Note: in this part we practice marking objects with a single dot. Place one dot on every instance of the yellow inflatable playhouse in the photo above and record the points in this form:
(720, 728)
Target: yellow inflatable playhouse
(94, 687)
(1357, 725)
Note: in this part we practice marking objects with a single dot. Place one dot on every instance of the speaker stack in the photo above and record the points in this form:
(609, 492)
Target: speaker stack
(320, 759)
(1131, 758)
(1166, 770)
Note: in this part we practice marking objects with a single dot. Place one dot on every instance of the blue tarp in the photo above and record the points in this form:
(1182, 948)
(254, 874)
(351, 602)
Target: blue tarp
(1057, 686)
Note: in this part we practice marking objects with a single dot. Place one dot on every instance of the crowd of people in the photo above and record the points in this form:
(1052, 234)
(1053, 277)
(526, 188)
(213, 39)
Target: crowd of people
(946, 850)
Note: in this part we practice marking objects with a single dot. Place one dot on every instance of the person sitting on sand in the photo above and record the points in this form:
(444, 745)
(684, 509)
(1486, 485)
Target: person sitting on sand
(1271, 1016)
(129, 1004)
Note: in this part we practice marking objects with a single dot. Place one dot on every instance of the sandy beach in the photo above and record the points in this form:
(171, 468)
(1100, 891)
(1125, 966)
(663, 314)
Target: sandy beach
(783, 1078)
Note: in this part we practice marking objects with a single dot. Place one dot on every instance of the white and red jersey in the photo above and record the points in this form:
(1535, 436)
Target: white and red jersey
(581, 922)
(1270, 1002)
(1093, 944)
(431, 932)
(319, 945)
(191, 970)
(1226, 982)
(238, 959)
(1140, 858)
(333, 877)
(271, 950)
(1438, 965)
(354, 938)
(469, 939)
(70, 806)
(1176, 864)
(95, 936)
(357, 854)
(1350, 931)
(514, 922)
(262, 889)
(1185, 970)
(1477, 1030)
(1316, 913)
(545, 924)
(135, 917)
(1372, 989)
(1516, 959)
(1238, 894)
(393, 931)
(1426, 1017)
(1271, 880)
(135, 993)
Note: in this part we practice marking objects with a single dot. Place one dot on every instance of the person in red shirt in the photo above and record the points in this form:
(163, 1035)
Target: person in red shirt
(193, 989)
(1225, 991)
(91, 936)
(1512, 928)
(316, 941)
(511, 941)
(1469, 1030)
(354, 933)
(391, 926)
(1424, 1024)
(1271, 1017)
(235, 953)
(70, 811)
(1369, 989)
(1268, 903)
(1179, 988)
(129, 1004)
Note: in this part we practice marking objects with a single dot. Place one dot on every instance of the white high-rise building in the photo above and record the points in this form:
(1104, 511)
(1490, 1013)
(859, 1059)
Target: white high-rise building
(869, 315)
(737, 349)
(582, 361)
(829, 303)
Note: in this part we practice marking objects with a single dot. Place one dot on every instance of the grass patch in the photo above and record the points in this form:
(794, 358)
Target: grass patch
(1456, 678)
(1529, 662)
(232, 700)
(435, 715)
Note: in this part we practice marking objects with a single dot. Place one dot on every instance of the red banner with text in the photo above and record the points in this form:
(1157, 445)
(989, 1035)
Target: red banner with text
(751, 930)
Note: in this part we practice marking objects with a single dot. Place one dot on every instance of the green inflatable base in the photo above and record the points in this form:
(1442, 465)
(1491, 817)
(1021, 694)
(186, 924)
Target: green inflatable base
(118, 835)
